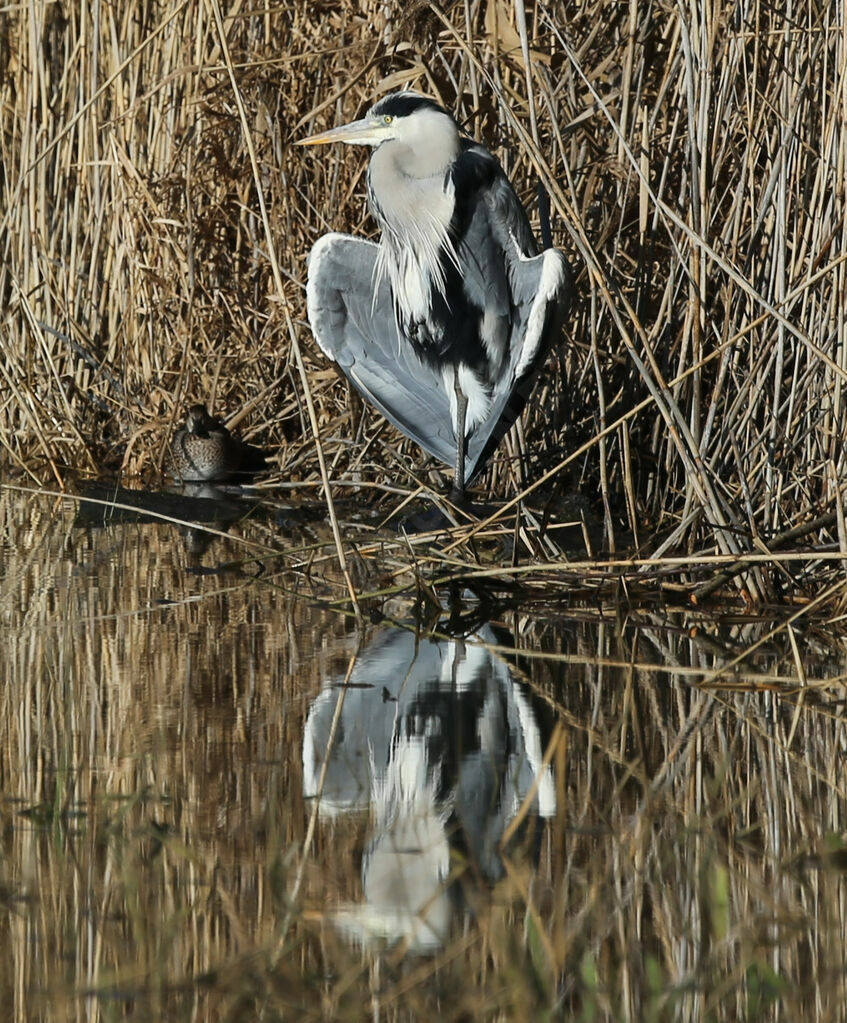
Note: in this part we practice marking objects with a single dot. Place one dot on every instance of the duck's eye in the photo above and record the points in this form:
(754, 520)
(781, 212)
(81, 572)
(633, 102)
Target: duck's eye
(387, 119)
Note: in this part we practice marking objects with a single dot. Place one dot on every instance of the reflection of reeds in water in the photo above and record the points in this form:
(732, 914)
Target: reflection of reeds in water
(694, 176)
(147, 743)
(699, 820)
(152, 800)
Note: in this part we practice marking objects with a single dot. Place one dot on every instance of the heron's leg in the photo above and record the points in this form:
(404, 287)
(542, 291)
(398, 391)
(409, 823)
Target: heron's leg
(457, 492)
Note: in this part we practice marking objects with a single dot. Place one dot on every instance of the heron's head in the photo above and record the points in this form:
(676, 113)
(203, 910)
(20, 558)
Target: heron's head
(408, 118)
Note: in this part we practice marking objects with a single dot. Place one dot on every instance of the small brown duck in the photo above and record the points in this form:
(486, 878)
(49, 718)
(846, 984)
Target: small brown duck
(205, 450)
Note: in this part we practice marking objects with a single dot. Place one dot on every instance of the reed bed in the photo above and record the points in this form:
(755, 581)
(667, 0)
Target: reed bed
(694, 156)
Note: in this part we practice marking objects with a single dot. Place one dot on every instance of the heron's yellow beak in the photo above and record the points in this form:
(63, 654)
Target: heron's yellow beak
(369, 131)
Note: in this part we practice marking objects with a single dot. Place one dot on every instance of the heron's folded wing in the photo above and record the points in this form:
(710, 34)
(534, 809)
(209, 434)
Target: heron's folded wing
(521, 297)
(357, 330)
(542, 289)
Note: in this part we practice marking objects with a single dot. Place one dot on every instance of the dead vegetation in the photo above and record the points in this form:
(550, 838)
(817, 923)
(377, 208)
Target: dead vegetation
(695, 162)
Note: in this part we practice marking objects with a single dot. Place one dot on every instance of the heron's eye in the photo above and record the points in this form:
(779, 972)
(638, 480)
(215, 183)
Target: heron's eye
(387, 119)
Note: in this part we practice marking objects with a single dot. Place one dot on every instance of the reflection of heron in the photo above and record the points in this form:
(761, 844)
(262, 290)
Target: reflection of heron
(443, 324)
(406, 862)
(442, 743)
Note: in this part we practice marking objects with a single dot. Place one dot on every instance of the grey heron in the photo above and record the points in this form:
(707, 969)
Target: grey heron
(443, 324)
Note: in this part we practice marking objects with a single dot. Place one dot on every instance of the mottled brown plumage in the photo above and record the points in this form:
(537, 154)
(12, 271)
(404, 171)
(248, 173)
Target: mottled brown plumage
(204, 449)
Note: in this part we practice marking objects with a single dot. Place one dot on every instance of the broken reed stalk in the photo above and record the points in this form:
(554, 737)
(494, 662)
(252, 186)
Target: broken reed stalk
(697, 192)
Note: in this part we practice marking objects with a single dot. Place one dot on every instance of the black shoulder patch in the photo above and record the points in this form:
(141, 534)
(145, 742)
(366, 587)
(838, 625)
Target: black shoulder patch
(472, 174)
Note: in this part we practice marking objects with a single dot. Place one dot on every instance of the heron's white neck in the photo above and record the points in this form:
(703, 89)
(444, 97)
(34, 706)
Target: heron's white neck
(412, 198)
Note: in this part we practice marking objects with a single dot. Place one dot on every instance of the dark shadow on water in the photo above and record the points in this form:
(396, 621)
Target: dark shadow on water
(105, 504)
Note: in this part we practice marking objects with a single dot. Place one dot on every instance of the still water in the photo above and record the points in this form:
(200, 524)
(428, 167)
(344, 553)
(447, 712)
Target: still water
(222, 799)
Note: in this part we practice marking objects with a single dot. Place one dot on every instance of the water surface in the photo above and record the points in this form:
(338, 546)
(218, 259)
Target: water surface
(223, 800)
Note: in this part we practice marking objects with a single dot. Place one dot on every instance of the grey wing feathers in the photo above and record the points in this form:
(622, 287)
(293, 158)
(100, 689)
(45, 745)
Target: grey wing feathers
(508, 218)
(357, 330)
(537, 291)
(541, 288)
